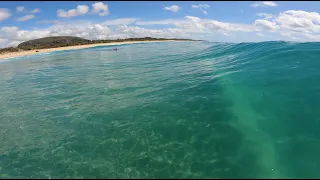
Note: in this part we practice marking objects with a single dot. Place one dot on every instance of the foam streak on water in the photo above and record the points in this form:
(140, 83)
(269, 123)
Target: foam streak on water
(163, 110)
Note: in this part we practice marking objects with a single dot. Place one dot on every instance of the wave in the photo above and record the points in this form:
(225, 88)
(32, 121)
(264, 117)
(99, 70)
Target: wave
(262, 78)
(179, 110)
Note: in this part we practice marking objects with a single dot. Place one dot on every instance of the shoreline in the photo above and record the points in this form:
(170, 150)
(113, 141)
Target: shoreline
(10, 55)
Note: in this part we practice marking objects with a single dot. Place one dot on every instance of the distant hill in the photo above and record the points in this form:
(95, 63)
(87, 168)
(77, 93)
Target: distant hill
(63, 41)
(52, 42)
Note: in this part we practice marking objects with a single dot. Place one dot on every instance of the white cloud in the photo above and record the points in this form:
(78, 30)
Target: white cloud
(100, 8)
(269, 3)
(161, 22)
(13, 33)
(311, 37)
(195, 24)
(202, 7)
(86, 30)
(266, 24)
(26, 17)
(192, 18)
(188, 24)
(292, 21)
(120, 21)
(265, 15)
(97, 8)
(299, 21)
(285, 34)
(23, 9)
(4, 14)
(133, 31)
(173, 8)
(20, 9)
(191, 24)
(217, 25)
(314, 16)
(289, 35)
(288, 25)
(226, 34)
(36, 10)
(264, 4)
(4, 42)
(80, 10)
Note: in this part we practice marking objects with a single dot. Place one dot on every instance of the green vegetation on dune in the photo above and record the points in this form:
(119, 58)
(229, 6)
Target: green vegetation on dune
(9, 49)
(64, 41)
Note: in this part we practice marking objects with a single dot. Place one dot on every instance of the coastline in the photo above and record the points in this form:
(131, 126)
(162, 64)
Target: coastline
(8, 55)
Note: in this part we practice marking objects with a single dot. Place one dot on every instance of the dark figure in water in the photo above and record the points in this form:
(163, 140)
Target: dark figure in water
(116, 49)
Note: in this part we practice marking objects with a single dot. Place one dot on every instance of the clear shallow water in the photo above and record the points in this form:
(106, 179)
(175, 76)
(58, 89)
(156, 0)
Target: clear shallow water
(163, 110)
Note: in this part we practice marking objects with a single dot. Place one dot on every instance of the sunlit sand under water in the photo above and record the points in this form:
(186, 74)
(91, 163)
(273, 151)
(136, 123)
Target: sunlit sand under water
(163, 110)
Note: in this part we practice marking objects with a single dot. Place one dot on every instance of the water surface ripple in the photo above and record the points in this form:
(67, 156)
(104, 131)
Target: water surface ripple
(163, 110)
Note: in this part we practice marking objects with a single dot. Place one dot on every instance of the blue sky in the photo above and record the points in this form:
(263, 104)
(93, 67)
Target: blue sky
(214, 21)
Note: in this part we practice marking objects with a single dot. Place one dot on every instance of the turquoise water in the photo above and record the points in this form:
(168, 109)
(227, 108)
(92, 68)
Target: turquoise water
(163, 110)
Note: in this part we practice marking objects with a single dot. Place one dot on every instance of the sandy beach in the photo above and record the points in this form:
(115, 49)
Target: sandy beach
(37, 51)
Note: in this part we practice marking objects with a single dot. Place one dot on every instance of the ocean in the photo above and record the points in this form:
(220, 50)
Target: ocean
(163, 110)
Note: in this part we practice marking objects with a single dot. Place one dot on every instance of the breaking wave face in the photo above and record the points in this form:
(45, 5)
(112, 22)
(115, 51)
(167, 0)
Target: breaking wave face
(163, 110)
